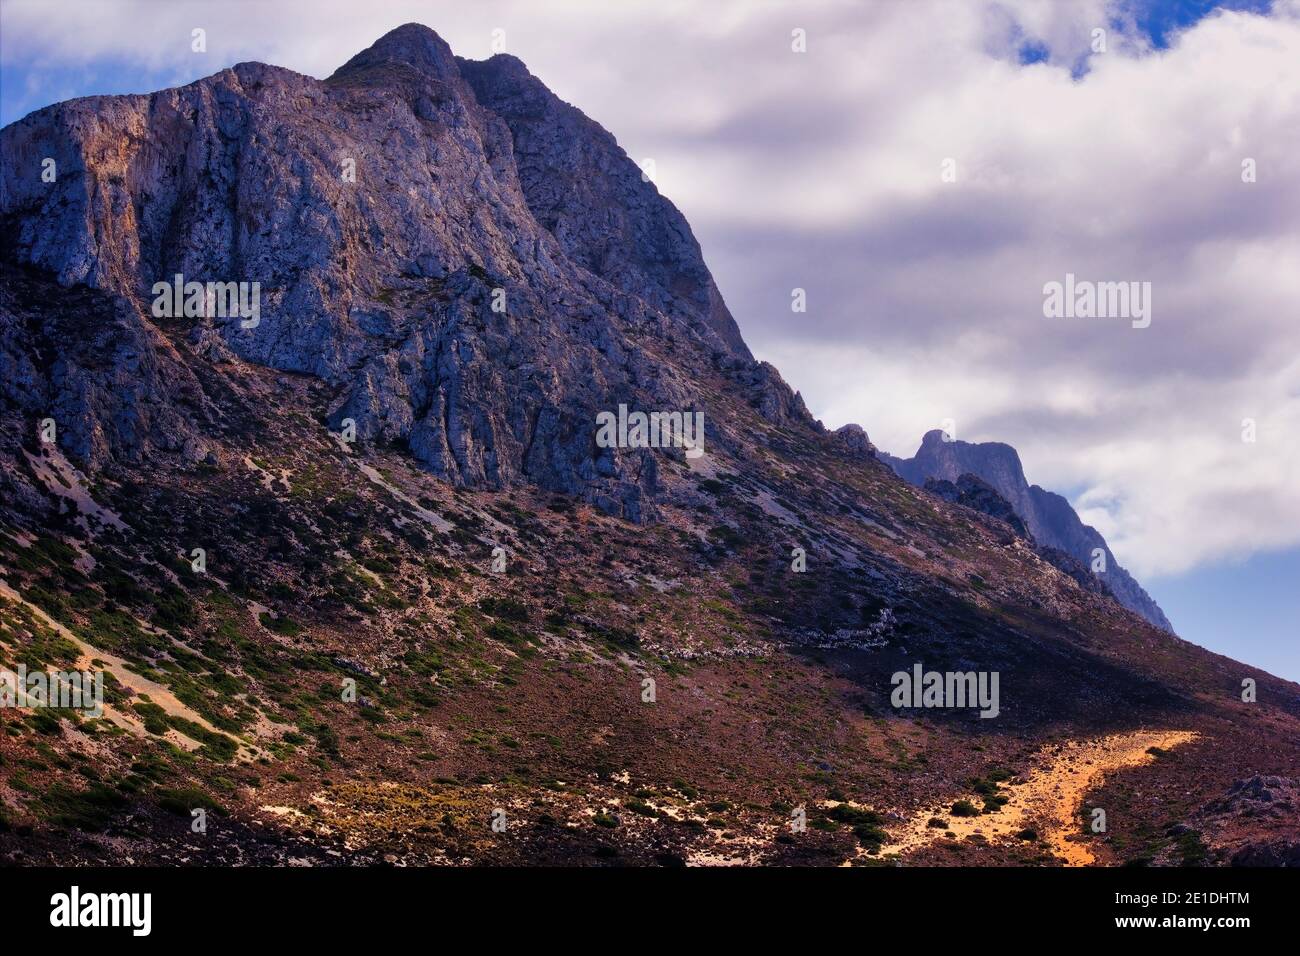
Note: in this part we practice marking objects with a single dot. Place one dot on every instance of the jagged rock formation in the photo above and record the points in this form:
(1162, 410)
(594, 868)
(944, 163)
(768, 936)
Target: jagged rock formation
(495, 273)
(854, 440)
(1047, 516)
(606, 216)
(1252, 821)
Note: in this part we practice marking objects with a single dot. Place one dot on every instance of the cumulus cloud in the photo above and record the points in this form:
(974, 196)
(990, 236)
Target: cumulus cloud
(822, 170)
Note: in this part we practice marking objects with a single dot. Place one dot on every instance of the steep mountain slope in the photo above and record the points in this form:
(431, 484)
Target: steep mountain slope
(1049, 517)
(468, 632)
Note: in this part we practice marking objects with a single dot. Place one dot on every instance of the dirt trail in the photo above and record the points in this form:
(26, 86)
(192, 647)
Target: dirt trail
(1048, 798)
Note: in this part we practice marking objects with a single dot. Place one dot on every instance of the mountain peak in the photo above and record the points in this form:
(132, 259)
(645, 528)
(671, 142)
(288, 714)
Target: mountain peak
(411, 44)
(471, 265)
(1049, 518)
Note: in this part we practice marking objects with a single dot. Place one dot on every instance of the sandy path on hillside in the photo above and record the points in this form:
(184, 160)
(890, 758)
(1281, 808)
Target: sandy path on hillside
(1048, 798)
(137, 683)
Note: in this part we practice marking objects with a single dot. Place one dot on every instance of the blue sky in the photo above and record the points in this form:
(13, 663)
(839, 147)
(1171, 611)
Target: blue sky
(817, 171)
(27, 84)
(1249, 610)
(1161, 18)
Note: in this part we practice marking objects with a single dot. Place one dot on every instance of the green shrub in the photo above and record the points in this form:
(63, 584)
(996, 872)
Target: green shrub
(855, 816)
(870, 837)
(182, 801)
(90, 809)
(964, 808)
(640, 807)
(994, 803)
(279, 625)
(506, 609)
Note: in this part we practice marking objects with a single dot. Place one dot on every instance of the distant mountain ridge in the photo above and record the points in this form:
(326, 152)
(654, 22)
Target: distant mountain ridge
(1048, 516)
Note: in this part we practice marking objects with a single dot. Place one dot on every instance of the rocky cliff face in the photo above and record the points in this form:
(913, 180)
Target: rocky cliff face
(1048, 516)
(970, 491)
(474, 266)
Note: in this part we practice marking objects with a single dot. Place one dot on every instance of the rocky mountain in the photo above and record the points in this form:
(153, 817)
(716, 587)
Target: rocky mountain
(366, 582)
(473, 264)
(1048, 516)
